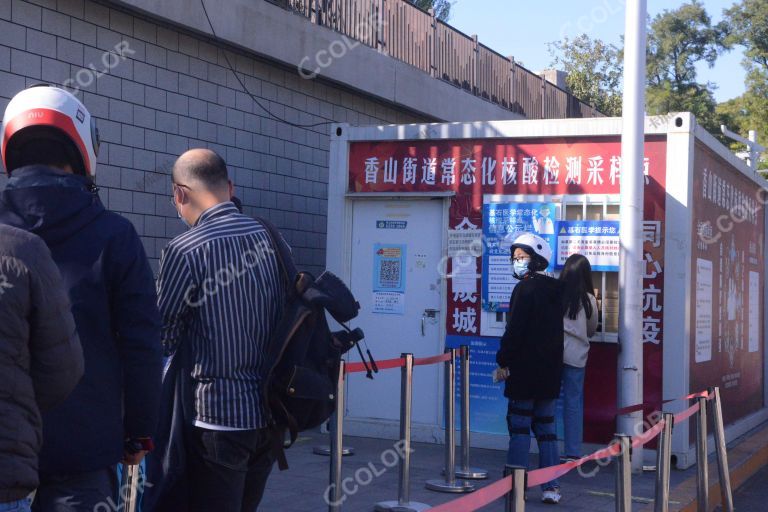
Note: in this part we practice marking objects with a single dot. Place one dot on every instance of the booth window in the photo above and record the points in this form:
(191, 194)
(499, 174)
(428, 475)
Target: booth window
(582, 207)
(606, 283)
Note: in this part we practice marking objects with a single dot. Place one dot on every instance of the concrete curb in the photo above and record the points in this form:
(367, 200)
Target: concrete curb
(745, 459)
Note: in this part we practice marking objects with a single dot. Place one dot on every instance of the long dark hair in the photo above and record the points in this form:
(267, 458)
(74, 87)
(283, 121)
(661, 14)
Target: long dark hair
(577, 278)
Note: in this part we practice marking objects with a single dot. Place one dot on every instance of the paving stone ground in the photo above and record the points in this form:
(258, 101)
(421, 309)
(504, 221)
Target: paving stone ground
(301, 488)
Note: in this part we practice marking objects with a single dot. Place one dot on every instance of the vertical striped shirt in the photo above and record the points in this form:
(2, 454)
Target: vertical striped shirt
(220, 290)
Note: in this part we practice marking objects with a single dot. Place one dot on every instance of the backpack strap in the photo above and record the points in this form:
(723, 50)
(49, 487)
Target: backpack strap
(277, 434)
(282, 252)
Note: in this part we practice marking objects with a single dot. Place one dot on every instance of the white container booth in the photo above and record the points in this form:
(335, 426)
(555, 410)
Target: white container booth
(418, 218)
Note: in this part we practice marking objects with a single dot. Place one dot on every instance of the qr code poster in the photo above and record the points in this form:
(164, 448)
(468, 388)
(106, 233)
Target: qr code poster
(388, 268)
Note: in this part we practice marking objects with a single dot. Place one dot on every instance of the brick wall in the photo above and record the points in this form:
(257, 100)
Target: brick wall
(172, 90)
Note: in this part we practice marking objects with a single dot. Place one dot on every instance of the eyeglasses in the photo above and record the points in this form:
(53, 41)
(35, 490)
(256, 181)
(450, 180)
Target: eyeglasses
(173, 194)
(521, 258)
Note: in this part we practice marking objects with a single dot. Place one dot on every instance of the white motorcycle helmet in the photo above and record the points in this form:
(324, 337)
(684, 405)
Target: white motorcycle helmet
(537, 247)
(48, 112)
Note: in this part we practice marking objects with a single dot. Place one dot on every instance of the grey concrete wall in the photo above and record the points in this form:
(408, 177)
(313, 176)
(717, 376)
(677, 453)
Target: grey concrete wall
(173, 91)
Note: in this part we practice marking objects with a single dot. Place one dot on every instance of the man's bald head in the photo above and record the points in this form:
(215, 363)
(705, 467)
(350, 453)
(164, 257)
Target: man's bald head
(202, 167)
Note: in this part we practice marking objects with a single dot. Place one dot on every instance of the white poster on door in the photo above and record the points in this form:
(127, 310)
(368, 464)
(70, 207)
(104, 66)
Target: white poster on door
(703, 310)
(464, 275)
(389, 303)
(754, 311)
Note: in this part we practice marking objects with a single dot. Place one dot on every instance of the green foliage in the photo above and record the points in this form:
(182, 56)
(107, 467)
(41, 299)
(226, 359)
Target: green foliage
(594, 71)
(677, 40)
(749, 28)
(442, 7)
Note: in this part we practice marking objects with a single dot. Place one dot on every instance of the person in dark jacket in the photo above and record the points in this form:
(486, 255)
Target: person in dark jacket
(531, 357)
(41, 360)
(49, 150)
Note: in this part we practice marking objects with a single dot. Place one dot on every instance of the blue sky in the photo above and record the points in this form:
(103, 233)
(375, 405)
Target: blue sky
(523, 28)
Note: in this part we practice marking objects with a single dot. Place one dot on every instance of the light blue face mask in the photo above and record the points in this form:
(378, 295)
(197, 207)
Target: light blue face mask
(520, 268)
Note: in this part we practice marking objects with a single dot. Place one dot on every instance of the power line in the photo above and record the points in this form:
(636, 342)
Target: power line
(254, 98)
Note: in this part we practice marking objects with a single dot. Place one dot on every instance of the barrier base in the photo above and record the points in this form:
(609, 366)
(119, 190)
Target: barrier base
(396, 506)
(471, 473)
(326, 450)
(455, 487)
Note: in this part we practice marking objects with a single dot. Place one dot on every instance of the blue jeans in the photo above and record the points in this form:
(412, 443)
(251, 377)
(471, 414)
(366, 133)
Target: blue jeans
(573, 409)
(16, 506)
(539, 415)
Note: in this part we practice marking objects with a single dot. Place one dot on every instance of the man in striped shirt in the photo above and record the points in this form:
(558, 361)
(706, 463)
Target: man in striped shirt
(220, 292)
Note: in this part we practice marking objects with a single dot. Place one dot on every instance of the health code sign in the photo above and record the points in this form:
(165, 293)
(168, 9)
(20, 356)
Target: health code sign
(597, 240)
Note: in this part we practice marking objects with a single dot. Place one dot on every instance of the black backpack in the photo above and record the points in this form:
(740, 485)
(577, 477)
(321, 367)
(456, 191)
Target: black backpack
(302, 359)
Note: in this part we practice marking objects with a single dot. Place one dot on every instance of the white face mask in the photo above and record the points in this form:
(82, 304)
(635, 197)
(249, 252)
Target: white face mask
(182, 218)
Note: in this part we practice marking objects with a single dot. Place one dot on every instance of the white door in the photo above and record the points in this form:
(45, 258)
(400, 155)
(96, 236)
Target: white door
(396, 249)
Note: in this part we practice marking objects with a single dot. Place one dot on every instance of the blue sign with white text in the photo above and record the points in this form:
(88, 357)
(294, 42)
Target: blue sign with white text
(502, 223)
(487, 403)
(597, 240)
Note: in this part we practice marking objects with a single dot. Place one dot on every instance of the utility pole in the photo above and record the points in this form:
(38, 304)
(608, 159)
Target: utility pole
(630, 367)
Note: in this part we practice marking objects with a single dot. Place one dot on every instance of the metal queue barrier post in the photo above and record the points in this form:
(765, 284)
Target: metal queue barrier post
(450, 484)
(337, 437)
(624, 474)
(722, 456)
(403, 502)
(129, 488)
(702, 464)
(515, 499)
(465, 471)
(663, 463)
(325, 450)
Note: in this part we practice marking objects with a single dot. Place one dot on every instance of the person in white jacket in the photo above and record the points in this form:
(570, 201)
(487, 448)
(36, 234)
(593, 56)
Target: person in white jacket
(579, 324)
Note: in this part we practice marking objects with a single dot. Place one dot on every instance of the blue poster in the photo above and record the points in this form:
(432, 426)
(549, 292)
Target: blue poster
(502, 223)
(597, 240)
(487, 404)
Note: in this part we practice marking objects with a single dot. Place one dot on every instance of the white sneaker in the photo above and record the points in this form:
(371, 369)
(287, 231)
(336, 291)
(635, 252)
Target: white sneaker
(551, 496)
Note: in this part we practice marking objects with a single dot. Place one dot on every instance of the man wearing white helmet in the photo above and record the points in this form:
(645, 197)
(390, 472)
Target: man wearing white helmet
(49, 149)
(531, 357)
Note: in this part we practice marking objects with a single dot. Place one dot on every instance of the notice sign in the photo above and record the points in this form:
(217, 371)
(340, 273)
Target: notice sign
(502, 223)
(464, 242)
(391, 224)
(703, 310)
(597, 240)
(389, 279)
(486, 398)
(389, 303)
(754, 311)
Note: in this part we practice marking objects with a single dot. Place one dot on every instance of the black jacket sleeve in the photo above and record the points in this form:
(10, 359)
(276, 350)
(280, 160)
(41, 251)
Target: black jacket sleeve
(136, 321)
(55, 351)
(518, 320)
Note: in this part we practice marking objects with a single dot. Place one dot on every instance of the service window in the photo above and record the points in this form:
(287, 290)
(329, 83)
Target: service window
(606, 283)
(581, 207)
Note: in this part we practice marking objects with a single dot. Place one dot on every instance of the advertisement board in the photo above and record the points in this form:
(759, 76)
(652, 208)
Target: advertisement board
(727, 273)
